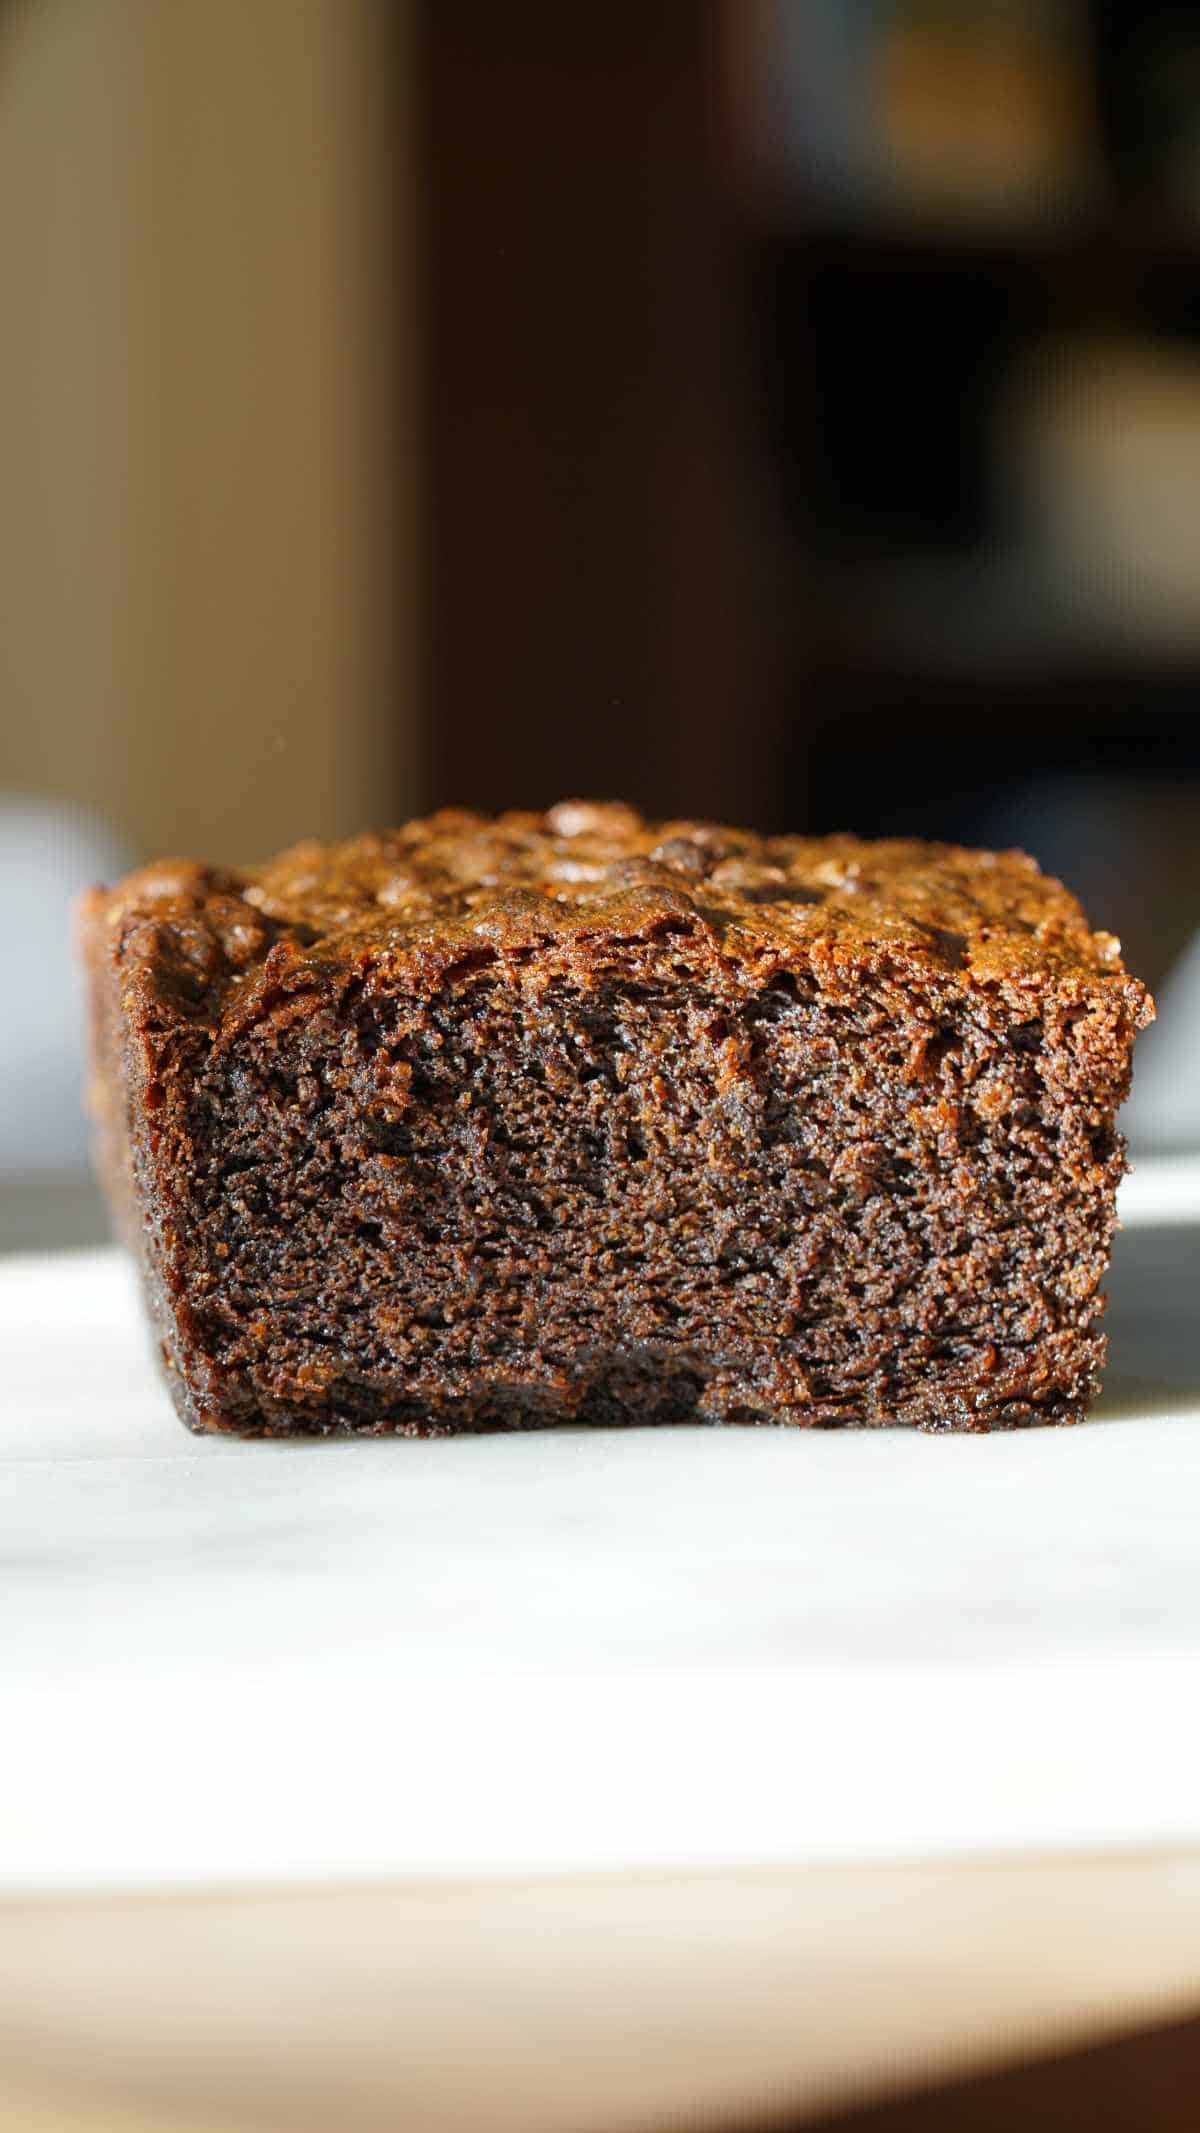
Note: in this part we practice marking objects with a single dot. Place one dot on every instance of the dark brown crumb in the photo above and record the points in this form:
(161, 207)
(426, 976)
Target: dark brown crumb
(497, 1123)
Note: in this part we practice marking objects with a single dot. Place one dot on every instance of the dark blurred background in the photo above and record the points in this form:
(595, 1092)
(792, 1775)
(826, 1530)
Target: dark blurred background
(785, 410)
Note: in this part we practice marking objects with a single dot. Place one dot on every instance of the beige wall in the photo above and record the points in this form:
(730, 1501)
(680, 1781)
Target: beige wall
(209, 486)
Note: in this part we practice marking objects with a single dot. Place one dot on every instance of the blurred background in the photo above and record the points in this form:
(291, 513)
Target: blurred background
(785, 410)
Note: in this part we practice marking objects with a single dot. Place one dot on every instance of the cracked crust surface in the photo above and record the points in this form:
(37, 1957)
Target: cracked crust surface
(594, 868)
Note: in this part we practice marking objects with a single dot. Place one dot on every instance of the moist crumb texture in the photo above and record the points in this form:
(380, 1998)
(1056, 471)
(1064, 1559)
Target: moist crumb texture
(496, 1123)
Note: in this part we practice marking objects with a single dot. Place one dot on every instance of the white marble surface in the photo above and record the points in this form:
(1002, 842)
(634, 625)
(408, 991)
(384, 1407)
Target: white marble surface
(234, 1662)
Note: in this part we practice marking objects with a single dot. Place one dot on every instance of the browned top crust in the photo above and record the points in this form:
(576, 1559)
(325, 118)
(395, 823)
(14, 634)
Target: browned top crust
(586, 869)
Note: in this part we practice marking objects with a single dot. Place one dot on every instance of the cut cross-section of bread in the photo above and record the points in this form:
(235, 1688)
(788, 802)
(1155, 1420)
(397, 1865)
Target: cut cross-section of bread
(571, 1117)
